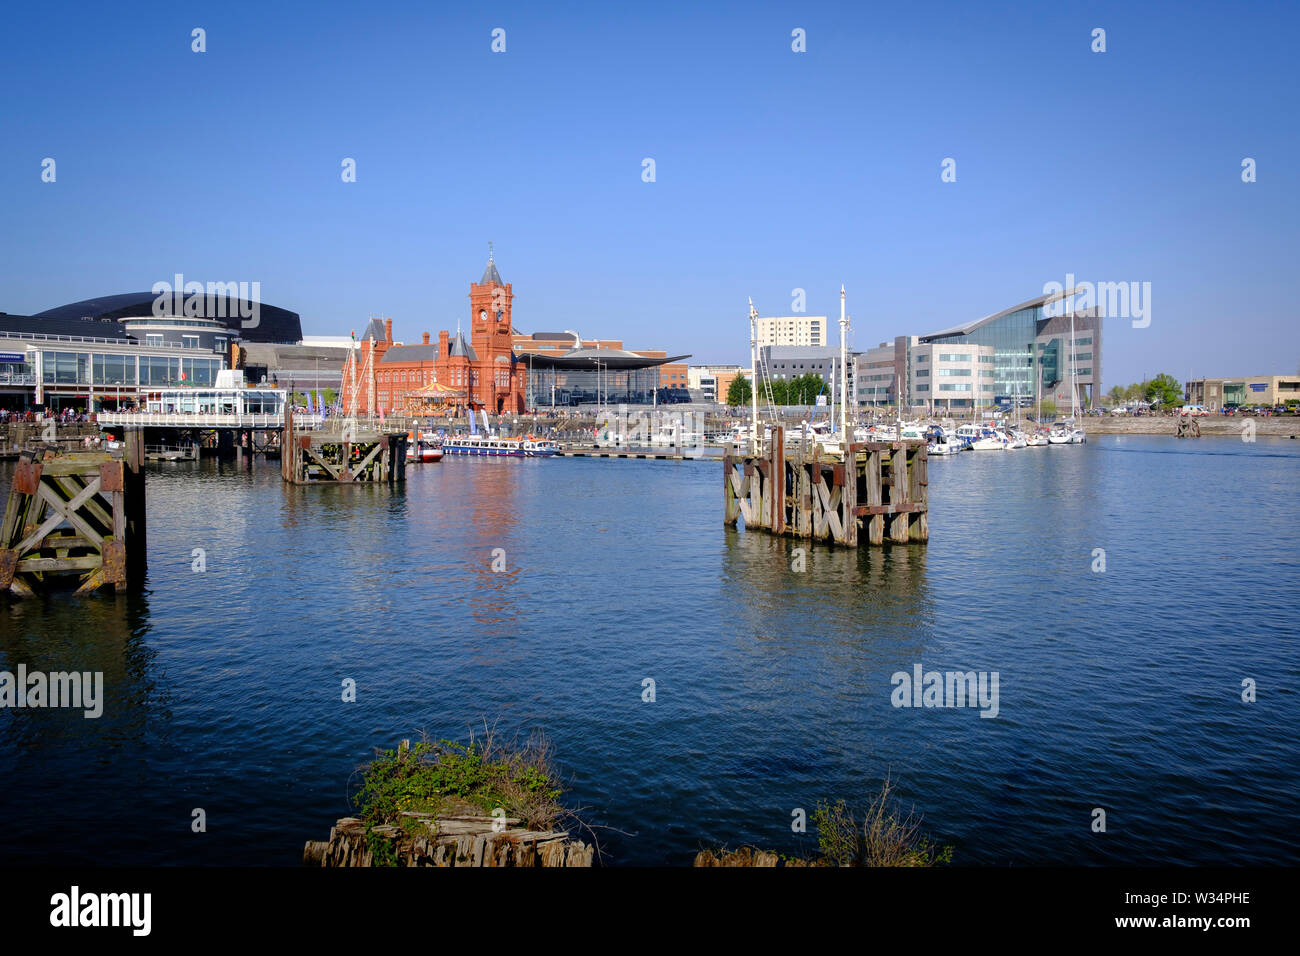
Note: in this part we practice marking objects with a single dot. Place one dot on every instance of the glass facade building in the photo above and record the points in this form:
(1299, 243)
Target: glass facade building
(1024, 354)
(596, 376)
(1012, 337)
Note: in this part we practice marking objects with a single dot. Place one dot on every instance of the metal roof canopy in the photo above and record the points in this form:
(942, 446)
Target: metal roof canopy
(967, 327)
(587, 359)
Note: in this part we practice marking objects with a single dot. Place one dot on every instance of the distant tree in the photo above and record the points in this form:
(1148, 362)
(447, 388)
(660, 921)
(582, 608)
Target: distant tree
(1046, 409)
(1116, 395)
(739, 392)
(1164, 389)
(804, 389)
(780, 390)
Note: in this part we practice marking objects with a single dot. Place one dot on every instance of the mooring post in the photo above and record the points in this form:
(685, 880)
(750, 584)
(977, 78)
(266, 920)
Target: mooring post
(136, 539)
(776, 481)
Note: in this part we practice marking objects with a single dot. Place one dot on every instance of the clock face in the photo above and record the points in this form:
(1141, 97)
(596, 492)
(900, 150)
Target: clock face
(482, 314)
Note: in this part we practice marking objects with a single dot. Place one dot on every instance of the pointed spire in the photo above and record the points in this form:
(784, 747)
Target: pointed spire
(490, 274)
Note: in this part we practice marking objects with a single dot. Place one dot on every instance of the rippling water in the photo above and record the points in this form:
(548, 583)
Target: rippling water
(1119, 690)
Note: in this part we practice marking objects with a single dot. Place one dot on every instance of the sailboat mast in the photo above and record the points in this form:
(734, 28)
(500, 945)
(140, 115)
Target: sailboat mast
(844, 370)
(753, 372)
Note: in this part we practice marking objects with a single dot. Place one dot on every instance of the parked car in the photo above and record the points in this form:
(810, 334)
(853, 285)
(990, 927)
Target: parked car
(1196, 411)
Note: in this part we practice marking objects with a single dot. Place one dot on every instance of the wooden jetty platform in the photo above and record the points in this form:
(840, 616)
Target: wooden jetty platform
(879, 490)
(342, 455)
(75, 518)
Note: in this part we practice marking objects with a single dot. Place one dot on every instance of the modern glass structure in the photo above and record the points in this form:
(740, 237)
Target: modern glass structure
(591, 377)
(1031, 351)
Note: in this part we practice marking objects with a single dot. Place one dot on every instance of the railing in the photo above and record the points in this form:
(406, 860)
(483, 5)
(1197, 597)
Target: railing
(47, 337)
(17, 378)
(184, 420)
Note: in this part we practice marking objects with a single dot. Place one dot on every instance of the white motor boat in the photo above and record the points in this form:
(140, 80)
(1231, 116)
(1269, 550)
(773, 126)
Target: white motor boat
(967, 435)
(941, 443)
(1067, 433)
(990, 440)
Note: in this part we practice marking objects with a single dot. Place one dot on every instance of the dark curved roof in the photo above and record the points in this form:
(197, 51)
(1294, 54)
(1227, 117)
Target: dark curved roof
(88, 327)
(274, 324)
(587, 359)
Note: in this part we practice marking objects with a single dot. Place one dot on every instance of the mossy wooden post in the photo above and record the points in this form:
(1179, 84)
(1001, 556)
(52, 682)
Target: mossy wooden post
(849, 497)
(730, 507)
(919, 521)
(776, 481)
(898, 493)
(875, 496)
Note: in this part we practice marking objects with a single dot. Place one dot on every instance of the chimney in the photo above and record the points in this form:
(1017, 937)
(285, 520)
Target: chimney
(388, 330)
(425, 340)
(443, 347)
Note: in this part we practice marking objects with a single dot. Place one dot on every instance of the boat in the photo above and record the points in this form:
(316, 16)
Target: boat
(525, 447)
(989, 440)
(968, 435)
(427, 447)
(1067, 433)
(941, 443)
(1035, 439)
(911, 431)
(1074, 435)
(1015, 439)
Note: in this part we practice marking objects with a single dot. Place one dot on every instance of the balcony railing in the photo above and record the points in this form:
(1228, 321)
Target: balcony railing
(204, 420)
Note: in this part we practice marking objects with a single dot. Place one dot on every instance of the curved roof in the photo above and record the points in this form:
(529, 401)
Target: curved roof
(968, 327)
(274, 324)
(587, 359)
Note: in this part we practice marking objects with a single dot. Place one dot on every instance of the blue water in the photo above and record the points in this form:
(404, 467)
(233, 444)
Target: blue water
(1119, 690)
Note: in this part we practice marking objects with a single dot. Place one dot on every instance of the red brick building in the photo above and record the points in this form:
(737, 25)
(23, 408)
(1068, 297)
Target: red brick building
(483, 371)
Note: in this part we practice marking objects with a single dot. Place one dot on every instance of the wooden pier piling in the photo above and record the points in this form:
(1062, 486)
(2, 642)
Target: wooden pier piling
(881, 488)
(343, 455)
(75, 519)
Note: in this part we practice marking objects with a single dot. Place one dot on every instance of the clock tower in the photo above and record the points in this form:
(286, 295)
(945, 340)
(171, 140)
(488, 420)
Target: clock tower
(498, 380)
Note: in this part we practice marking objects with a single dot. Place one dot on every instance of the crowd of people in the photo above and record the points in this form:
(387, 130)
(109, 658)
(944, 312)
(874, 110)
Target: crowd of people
(65, 416)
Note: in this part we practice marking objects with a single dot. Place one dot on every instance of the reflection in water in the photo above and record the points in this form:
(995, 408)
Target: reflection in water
(773, 686)
(105, 634)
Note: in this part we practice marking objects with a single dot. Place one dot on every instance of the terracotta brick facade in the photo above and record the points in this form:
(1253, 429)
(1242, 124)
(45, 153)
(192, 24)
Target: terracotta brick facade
(481, 371)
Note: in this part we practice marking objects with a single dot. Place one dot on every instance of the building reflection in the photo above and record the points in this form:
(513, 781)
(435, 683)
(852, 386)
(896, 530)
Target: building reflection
(105, 634)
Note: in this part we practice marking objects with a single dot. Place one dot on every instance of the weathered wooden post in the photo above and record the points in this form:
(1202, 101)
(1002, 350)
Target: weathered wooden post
(776, 481)
(133, 535)
(898, 492)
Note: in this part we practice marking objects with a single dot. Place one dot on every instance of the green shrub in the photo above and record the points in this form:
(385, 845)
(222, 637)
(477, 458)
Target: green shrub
(447, 777)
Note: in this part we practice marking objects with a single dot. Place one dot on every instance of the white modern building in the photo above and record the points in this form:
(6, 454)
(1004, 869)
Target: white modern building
(793, 331)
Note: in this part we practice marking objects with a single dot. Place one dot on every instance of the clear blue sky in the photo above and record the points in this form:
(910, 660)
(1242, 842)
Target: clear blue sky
(775, 169)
